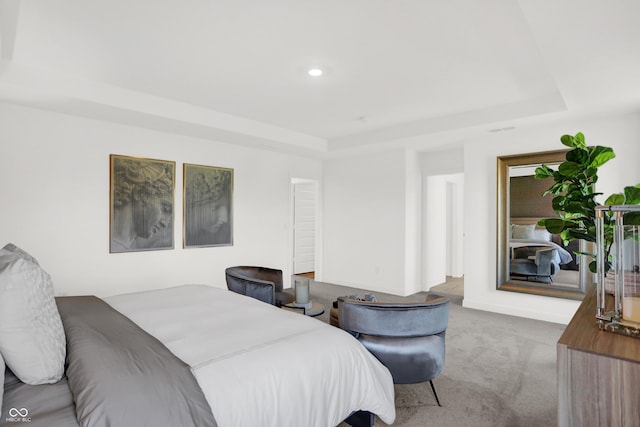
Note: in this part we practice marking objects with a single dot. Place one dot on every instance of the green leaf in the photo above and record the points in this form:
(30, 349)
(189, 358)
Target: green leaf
(591, 172)
(554, 225)
(574, 141)
(557, 204)
(568, 140)
(575, 194)
(543, 172)
(578, 155)
(615, 199)
(600, 155)
(570, 169)
(632, 195)
(593, 266)
(578, 234)
(557, 188)
(631, 218)
(575, 207)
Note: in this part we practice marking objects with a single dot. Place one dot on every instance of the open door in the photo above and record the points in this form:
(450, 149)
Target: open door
(304, 220)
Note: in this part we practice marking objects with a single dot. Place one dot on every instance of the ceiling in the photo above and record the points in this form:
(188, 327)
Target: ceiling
(397, 73)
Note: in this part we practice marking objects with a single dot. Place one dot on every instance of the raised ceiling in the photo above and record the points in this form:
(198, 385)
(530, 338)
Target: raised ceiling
(396, 72)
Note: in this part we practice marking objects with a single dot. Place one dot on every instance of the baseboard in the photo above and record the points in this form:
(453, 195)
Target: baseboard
(561, 318)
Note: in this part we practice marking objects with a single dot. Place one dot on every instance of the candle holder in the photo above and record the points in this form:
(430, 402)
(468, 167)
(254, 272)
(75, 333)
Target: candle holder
(301, 285)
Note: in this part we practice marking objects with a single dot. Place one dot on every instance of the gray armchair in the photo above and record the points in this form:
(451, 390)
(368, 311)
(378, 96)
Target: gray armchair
(408, 338)
(262, 283)
(545, 266)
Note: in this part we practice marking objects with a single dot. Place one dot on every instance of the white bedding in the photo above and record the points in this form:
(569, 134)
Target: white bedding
(259, 365)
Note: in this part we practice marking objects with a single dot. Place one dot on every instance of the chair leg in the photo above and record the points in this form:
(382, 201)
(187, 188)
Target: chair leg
(360, 419)
(433, 388)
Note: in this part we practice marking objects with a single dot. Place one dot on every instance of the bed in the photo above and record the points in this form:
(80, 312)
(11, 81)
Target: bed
(525, 234)
(192, 355)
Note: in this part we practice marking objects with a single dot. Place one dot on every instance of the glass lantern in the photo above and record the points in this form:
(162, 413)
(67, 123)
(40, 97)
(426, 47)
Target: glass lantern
(620, 314)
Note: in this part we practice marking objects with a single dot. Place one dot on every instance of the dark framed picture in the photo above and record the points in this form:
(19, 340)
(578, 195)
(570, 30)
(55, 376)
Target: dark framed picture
(208, 206)
(142, 195)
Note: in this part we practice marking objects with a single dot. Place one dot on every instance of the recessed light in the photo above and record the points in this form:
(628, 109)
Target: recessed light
(315, 72)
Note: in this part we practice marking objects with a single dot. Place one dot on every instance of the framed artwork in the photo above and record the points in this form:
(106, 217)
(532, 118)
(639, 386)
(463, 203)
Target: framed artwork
(141, 204)
(208, 206)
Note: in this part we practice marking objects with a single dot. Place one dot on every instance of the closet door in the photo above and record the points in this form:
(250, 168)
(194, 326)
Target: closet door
(304, 228)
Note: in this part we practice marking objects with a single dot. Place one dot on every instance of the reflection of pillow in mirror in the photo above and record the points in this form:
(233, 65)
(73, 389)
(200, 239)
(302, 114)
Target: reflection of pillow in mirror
(541, 234)
(522, 231)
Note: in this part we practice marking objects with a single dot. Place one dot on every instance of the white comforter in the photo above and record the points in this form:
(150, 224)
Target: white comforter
(259, 365)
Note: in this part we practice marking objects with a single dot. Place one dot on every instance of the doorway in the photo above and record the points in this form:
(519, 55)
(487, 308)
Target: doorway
(304, 226)
(443, 230)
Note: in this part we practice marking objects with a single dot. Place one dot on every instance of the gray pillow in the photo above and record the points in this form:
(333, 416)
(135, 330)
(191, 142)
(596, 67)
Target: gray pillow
(32, 340)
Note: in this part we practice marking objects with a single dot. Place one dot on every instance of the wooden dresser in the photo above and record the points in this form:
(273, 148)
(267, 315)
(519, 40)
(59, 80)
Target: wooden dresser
(598, 373)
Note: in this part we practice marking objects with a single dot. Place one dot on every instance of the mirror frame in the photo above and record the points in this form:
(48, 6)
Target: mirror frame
(504, 281)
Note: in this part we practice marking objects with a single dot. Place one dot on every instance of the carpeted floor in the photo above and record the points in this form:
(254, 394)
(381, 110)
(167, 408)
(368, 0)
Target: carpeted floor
(499, 370)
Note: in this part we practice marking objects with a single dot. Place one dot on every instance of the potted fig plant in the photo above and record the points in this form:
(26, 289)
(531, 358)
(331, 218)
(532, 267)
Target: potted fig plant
(575, 197)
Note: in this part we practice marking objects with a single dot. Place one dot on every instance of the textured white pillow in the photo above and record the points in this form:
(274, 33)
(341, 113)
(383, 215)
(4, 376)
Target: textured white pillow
(522, 231)
(32, 340)
(541, 234)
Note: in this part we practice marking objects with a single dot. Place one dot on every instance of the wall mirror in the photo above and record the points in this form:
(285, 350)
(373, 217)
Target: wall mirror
(530, 259)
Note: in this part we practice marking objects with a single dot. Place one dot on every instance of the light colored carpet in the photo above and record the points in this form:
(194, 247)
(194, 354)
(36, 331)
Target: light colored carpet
(499, 370)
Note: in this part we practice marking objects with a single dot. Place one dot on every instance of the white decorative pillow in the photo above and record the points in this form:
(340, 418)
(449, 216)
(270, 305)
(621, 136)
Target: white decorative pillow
(522, 231)
(32, 340)
(16, 250)
(541, 234)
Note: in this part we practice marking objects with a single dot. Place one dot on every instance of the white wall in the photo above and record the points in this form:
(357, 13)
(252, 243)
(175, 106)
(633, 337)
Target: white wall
(55, 202)
(443, 162)
(367, 218)
(412, 224)
(619, 132)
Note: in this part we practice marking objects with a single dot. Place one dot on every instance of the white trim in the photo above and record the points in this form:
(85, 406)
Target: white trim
(554, 317)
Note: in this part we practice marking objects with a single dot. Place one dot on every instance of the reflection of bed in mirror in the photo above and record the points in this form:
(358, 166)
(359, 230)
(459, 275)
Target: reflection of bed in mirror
(539, 256)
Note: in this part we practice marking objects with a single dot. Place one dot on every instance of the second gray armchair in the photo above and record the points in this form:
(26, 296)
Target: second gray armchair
(542, 269)
(408, 338)
(262, 283)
